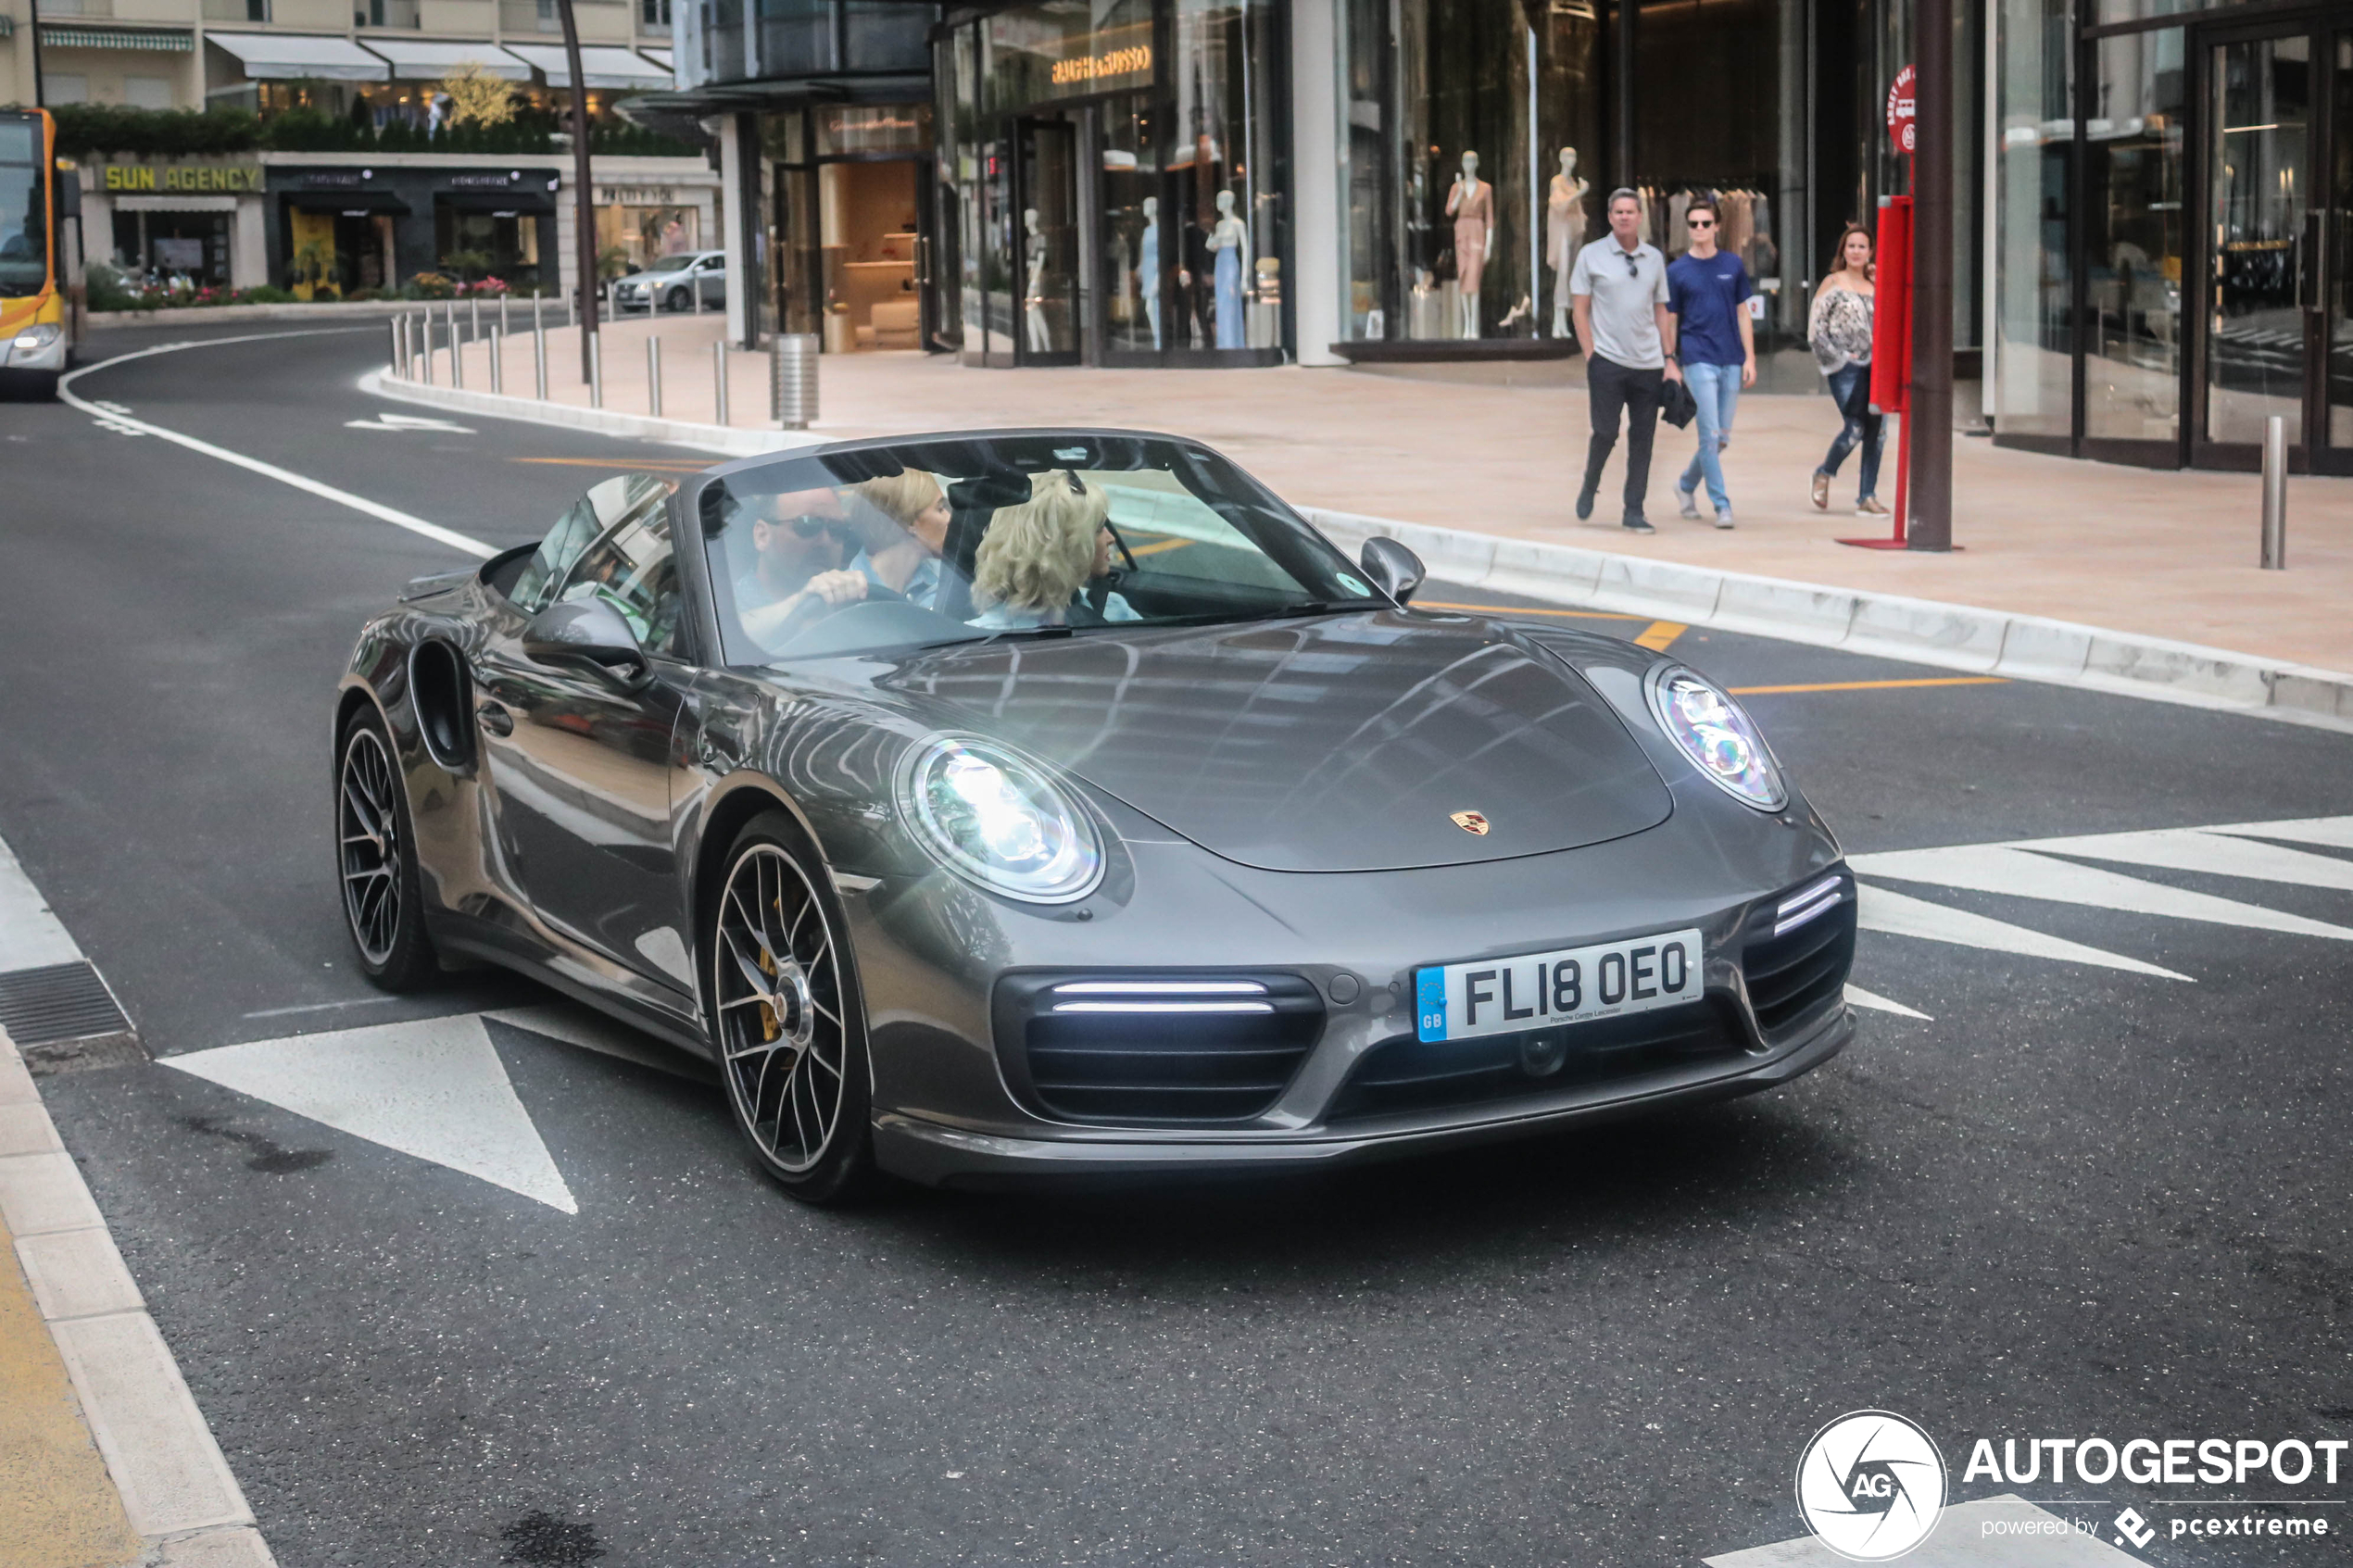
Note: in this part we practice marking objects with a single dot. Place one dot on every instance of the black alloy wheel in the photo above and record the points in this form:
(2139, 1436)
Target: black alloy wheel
(675, 299)
(376, 860)
(787, 1018)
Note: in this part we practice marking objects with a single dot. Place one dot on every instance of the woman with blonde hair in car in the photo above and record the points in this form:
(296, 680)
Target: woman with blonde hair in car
(1040, 553)
(904, 558)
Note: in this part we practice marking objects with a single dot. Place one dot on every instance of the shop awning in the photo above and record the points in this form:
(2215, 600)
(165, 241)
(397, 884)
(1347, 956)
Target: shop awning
(414, 61)
(531, 204)
(280, 55)
(601, 64)
(156, 40)
(355, 204)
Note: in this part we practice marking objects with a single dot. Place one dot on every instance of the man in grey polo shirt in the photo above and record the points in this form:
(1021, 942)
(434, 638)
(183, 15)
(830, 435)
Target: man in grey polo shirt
(1617, 293)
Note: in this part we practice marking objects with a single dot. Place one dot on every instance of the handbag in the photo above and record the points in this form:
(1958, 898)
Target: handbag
(1442, 270)
(1676, 404)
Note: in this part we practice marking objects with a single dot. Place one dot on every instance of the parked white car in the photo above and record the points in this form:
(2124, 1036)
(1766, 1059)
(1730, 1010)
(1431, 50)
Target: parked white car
(671, 284)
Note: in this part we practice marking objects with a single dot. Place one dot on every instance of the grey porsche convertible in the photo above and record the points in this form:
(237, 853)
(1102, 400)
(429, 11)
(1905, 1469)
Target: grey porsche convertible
(1037, 804)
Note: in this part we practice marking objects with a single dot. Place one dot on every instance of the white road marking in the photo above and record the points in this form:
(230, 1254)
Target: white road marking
(2200, 850)
(381, 513)
(2335, 831)
(1990, 1533)
(2010, 868)
(1900, 914)
(1878, 1003)
(434, 1089)
(407, 423)
(575, 1025)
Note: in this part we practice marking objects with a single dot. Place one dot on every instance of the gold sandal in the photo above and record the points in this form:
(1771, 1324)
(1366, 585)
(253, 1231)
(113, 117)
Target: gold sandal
(1822, 492)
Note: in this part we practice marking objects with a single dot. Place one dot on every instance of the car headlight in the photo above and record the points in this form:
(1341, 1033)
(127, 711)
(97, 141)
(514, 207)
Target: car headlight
(993, 818)
(40, 336)
(1718, 735)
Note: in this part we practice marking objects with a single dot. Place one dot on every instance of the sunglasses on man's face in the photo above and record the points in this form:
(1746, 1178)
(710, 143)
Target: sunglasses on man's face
(810, 527)
(1699, 223)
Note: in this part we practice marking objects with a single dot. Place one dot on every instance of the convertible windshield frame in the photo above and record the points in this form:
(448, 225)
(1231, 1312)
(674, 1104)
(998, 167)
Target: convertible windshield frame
(1190, 539)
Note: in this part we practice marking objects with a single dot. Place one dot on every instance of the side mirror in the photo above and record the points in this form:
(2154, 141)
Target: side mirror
(586, 631)
(1394, 570)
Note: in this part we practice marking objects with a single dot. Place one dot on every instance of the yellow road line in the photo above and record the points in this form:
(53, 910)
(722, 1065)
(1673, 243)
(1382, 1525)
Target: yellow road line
(1156, 549)
(1660, 634)
(1530, 610)
(1871, 686)
(674, 465)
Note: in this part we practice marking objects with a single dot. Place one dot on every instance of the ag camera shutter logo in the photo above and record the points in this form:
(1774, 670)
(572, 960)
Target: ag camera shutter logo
(1871, 1485)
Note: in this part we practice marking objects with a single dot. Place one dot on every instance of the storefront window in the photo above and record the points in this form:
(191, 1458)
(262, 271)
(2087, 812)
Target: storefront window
(1428, 83)
(2259, 181)
(950, 174)
(638, 236)
(873, 127)
(2132, 194)
(1227, 176)
(2033, 344)
(1135, 274)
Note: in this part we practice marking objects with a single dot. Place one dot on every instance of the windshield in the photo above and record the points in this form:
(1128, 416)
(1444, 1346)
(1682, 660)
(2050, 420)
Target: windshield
(956, 540)
(674, 263)
(24, 242)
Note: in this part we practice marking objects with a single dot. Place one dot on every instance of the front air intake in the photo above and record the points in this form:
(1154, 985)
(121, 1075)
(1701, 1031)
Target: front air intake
(1797, 951)
(1154, 1049)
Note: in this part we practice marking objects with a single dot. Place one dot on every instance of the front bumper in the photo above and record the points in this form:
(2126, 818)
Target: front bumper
(939, 1155)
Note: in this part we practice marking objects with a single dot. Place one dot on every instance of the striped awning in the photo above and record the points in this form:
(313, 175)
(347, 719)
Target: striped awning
(154, 39)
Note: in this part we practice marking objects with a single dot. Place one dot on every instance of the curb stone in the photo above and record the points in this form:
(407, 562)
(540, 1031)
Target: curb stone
(1966, 637)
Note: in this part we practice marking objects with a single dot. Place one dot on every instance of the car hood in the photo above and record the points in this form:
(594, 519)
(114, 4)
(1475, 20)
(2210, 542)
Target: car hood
(1340, 744)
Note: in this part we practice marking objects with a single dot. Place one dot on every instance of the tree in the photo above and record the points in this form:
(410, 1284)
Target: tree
(477, 97)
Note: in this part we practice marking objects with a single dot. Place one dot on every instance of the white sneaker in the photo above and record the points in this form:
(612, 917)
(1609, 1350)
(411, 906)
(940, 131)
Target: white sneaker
(1690, 498)
(1724, 518)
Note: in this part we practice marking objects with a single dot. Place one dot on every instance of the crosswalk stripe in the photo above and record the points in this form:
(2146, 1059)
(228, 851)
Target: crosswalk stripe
(1878, 1003)
(2192, 849)
(2335, 832)
(1900, 914)
(2001, 868)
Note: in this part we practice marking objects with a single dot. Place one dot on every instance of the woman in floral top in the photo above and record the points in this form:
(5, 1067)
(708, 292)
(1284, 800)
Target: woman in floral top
(1841, 330)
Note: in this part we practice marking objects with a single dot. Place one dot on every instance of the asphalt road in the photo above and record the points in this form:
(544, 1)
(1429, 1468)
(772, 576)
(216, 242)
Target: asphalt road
(2073, 1199)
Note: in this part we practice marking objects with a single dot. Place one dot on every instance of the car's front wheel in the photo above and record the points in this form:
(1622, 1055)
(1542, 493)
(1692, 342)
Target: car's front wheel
(787, 1018)
(678, 299)
(376, 859)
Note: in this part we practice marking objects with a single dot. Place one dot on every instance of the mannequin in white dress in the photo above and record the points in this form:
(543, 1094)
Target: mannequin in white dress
(1564, 233)
(1041, 333)
(1148, 265)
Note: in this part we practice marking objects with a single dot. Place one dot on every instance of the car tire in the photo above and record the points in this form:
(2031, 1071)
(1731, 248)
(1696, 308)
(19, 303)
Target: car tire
(381, 886)
(788, 1019)
(675, 300)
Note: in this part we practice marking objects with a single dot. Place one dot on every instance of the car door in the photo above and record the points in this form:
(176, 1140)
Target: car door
(581, 759)
(711, 279)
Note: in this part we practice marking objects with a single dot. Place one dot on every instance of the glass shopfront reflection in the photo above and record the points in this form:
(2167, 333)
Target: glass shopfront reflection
(2134, 194)
(1119, 181)
(2258, 174)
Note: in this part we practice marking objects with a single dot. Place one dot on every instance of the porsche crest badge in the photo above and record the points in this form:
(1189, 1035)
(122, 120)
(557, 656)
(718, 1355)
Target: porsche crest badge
(1471, 821)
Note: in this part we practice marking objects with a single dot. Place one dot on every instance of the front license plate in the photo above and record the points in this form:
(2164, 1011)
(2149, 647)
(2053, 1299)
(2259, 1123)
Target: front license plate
(1462, 1001)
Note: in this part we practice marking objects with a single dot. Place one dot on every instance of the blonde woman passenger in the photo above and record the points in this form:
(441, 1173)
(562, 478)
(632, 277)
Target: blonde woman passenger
(1041, 554)
(903, 528)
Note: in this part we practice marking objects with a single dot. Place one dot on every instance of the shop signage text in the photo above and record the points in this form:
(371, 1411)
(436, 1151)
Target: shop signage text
(179, 177)
(1902, 109)
(1135, 61)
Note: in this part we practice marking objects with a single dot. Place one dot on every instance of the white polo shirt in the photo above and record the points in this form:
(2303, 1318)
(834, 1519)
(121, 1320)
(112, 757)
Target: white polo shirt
(1625, 325)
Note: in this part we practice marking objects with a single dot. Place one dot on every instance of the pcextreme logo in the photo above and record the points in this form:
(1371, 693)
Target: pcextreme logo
(1871, 1485)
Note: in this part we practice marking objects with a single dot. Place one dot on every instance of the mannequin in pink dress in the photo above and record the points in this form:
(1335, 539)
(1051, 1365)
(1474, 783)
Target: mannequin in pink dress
(1471, 203)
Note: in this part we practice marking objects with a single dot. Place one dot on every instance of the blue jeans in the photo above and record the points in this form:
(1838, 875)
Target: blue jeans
(1716, 390)
(1851, 389)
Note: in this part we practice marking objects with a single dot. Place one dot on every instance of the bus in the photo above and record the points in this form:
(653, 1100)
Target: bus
(36, 324)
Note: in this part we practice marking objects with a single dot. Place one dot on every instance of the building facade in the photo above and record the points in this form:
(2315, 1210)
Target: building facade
(2171, 251)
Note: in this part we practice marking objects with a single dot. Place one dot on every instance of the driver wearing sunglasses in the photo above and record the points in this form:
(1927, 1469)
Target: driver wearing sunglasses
(800, 540)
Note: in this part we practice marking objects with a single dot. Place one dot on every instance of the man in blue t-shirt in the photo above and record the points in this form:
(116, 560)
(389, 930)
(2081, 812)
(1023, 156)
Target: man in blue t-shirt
(1707, 290)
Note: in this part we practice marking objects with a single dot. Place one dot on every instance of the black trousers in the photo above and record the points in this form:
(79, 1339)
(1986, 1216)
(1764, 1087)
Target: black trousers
(1617, 388)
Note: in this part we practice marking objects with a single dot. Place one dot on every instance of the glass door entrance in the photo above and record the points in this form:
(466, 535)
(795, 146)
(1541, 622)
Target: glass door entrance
(2279, 194)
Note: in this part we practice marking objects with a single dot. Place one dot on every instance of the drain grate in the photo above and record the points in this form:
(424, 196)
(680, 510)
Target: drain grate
(63, 1019)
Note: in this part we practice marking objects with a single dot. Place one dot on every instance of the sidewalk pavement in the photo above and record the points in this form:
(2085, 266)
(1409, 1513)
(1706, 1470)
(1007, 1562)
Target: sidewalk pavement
(2161, 555)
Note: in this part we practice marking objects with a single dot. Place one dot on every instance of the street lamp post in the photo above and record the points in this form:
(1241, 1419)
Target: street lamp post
(583, 217)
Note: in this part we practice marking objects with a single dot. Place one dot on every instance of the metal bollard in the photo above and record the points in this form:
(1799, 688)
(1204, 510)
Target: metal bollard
(539, 347)
(719, 380)
(424, 337)
(2275, 493)
(792, 388)
(394, 325)
(653, 376)
(572, 309)
(698, 295)
(503, 315)
(596, 369)
(473, 323)
(497, 368)
(457, 351)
